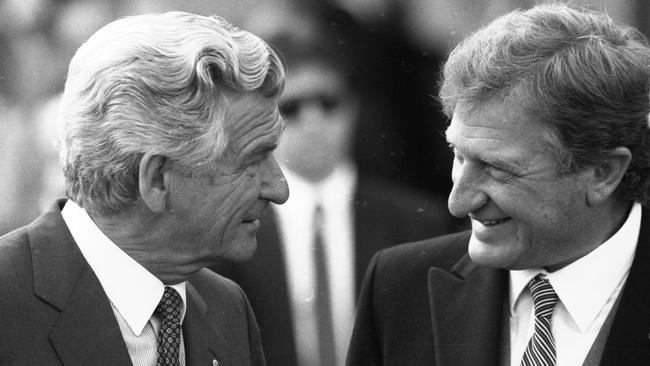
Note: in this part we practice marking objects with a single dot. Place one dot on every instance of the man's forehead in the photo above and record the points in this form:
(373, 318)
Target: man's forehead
(490, 118)
(498, 130)
(241, 103)
(250, 111)
(255, 125)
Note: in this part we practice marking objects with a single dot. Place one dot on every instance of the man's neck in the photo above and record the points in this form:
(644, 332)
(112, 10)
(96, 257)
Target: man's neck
(605, 222)
(135, 232)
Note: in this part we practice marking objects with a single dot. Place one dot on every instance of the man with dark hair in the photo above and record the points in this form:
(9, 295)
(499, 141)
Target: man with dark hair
(168, 124)
(549, 128)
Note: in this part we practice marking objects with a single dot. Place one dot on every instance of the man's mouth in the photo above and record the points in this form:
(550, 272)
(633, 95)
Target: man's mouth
(493, 222)
(253, 215)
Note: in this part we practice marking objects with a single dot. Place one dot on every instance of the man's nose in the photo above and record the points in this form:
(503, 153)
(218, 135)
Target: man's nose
(467, 194)
(274, 185)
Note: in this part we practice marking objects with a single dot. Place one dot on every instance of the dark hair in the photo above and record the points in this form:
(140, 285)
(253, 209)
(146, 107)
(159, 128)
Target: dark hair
(577, 70)
(317, 33)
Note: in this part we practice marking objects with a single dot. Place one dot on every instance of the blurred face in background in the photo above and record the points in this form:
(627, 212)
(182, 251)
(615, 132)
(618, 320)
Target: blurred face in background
(319, 115)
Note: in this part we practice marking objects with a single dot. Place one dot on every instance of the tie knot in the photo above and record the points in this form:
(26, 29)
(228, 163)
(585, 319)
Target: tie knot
(544, 297)
(169, 307)
(318, 213)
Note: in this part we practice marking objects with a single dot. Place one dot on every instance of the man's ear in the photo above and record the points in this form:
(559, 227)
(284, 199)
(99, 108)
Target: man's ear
(607, 174)
(152, 184)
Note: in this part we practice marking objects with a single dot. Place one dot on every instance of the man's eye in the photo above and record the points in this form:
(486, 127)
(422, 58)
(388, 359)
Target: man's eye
(498, 173)
(261, 157)
(457, 156)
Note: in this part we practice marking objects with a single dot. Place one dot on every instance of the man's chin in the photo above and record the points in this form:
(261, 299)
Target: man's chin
(490, 254)
(242, 251)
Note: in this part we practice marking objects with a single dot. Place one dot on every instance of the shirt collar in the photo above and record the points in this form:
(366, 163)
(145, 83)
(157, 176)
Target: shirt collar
(133, 291)
(585, 285)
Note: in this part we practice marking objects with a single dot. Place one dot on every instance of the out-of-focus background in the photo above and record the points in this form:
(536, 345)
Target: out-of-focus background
(403, 43)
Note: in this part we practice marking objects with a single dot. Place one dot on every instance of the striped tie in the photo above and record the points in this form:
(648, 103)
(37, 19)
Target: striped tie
(541, 348)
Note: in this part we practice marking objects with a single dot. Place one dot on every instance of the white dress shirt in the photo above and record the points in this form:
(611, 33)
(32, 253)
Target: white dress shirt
(335, 195)
(587, 290)
(133, 291)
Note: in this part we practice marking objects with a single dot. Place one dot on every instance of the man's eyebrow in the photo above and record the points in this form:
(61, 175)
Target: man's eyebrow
(282, 123)
(495, 161)
(501, 164)
(510, 163)
(264, 148)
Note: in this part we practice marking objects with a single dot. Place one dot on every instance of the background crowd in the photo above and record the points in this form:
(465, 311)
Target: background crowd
(402, 44)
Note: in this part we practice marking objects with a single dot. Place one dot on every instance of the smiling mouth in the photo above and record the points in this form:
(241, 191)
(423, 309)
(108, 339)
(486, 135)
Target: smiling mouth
(493, 222)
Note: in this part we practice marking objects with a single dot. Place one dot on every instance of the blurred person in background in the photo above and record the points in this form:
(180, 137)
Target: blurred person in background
(549, 128)
(72, 23)
(304, 280)
(405, 43)
(168, 124)
(18, 168)
(23, 80)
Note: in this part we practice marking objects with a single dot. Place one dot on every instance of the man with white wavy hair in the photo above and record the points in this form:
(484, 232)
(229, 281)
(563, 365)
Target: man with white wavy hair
(168, 126)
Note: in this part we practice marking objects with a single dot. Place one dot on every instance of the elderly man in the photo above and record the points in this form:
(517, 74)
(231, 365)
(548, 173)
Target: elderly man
(169, 122)
(550, 134)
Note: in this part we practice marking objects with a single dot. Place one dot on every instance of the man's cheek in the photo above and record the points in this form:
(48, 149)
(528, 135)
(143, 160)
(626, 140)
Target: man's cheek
(236, 200)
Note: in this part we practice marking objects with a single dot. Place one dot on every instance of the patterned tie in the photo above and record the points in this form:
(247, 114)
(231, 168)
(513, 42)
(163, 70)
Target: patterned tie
(541, 348)
(323, 306)
(169, 335)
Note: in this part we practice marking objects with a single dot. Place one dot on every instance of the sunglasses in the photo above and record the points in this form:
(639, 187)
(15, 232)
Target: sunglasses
(290, 108)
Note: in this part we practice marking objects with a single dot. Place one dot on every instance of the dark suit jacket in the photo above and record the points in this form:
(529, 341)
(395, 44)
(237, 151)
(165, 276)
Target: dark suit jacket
(427, 303)
(385, 214)
(53, 310)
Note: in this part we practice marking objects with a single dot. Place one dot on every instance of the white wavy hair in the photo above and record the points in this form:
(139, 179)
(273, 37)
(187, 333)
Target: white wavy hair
(155, 84)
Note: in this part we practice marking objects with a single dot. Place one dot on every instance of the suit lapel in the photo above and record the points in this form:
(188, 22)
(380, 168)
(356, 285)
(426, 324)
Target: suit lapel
(628, 342)
(364, 246)
(373, 229)
(202, 342)
(86, 332)
(264, 280)
(266, 284)
(466, 313)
